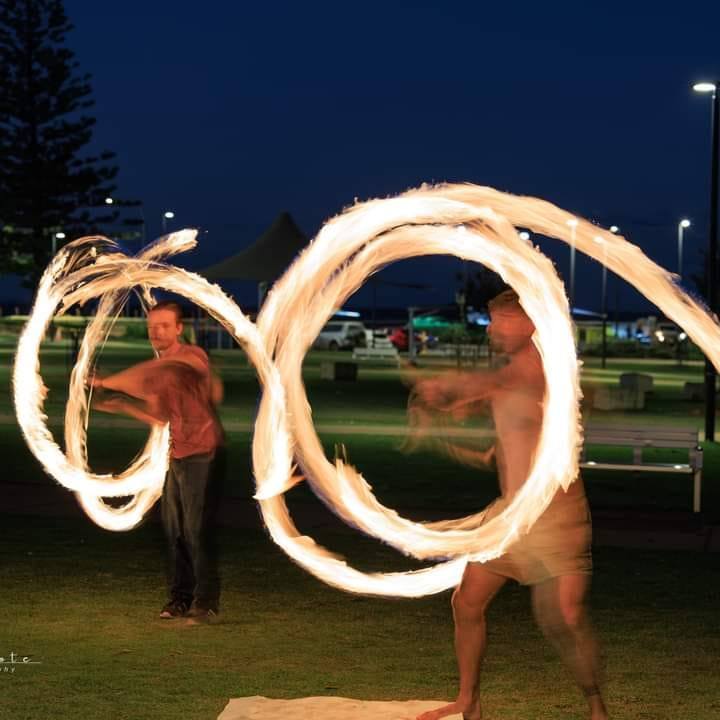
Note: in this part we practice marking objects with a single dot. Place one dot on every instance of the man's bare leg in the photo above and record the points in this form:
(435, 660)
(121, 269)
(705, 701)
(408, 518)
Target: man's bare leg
(559, 606)
(477, 589)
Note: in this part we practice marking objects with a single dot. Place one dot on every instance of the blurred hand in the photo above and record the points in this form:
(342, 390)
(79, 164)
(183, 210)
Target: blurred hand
(431, 392)
(110, 405)
(94, 381)
(217, 391)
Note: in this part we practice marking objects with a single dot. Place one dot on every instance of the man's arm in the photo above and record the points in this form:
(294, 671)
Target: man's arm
(217, 390)
(147, 412)
(129, 382)
(140, 381)
(452, 390)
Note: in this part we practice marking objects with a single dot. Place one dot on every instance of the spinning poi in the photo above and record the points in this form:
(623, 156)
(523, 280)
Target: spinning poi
(470, 222)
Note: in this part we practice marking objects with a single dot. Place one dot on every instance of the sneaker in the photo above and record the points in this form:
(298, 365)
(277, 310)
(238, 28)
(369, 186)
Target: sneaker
(199, 613)
(174, 609)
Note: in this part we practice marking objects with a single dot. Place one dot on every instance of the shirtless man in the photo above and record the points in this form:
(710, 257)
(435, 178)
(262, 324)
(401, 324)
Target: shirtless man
(178, 388)
(554, 557)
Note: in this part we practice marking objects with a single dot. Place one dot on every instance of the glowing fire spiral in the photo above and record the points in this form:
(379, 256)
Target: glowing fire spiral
(94, 267)
(470, 222)
(477, 224)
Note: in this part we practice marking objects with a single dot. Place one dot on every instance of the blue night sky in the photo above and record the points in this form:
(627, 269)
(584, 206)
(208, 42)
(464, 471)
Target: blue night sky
(229, 112)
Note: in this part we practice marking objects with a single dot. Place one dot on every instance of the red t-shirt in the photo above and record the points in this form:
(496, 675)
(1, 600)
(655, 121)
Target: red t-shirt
(187, 399)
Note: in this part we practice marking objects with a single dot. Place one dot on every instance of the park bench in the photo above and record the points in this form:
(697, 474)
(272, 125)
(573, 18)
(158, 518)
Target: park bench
(641, 438)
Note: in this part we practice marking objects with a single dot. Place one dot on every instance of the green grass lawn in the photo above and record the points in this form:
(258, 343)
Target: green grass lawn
(84, 602)
(378, 399)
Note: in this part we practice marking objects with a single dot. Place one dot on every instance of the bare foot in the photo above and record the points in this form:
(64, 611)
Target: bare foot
(597, 708)
(470, 710)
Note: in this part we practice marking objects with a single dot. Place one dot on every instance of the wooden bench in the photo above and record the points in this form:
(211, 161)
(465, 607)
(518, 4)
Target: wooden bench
(640, 438)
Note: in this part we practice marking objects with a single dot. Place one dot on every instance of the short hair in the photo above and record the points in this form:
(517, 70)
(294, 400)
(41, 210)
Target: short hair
(168, 305)
(506, 303)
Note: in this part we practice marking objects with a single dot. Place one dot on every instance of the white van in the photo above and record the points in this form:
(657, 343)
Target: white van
(341, 335)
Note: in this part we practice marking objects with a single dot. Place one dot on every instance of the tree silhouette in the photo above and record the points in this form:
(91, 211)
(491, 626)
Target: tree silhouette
(49, 182)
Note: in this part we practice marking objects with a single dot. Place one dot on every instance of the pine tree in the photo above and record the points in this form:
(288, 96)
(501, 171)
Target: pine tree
(49, 183)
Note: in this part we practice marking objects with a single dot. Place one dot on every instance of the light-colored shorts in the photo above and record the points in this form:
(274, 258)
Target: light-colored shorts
(558, 544)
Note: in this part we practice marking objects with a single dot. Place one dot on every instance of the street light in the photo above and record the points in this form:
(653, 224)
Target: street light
(572, 224)
(614, 229)
(524, 235)
(109, 201)
(682, 225)
(57, 236)
(704, 87)
(167, 215)
(603, 301)
(712, 258)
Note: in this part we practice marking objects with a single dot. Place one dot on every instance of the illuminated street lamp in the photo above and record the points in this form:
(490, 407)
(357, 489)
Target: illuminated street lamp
(704, 87)
(603, 295)
(572, 224)
(167, 215)
(109, 201)
(682, 225)
(614, 229)
(712, 255)
(56, 236)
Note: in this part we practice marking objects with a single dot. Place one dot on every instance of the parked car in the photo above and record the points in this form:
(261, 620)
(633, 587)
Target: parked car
(338, 335)
(399, 338)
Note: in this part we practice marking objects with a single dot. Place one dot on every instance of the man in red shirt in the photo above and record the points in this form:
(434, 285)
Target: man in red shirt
(178, 388)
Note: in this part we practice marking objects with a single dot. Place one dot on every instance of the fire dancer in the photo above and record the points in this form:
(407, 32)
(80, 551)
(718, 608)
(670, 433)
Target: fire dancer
(553, 558)
(178, 388)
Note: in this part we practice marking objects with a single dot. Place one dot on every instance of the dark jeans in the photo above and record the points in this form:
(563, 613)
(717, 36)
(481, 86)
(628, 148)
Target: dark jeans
(189, 503)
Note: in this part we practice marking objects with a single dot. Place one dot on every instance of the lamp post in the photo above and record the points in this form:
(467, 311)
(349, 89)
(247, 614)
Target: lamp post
(56, 236)
(572, 224)
(411, 335)
(167, 215)
(614, 229)
(603, 298)
(712, 258)
(682, 225)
